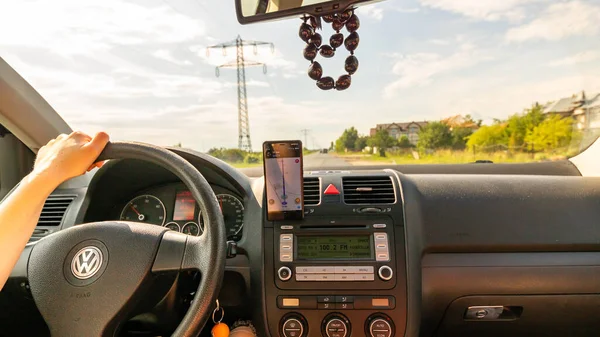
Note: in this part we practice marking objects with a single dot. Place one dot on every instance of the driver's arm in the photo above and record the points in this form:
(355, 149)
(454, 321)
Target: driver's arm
(62, 158)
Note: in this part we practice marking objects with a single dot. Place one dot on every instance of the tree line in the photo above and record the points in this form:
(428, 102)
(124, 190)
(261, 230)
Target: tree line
(529, 131)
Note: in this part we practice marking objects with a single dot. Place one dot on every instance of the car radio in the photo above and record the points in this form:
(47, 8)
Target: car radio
(335, 255)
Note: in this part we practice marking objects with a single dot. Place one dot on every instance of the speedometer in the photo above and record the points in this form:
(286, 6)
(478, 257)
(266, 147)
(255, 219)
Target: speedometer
(233, 215)
(144, 208)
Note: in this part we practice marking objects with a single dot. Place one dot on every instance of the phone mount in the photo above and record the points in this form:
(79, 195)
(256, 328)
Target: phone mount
(314, 46)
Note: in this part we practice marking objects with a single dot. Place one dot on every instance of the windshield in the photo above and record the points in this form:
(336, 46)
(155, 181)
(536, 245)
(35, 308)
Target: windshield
(439, 81)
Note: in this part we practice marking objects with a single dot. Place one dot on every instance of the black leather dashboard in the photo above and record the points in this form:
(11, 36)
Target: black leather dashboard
(528, 241)
(523, 241)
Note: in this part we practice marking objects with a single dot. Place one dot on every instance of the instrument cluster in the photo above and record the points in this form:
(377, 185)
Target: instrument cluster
(174, 207)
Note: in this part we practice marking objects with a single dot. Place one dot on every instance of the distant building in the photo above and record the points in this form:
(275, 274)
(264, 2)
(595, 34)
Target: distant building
(583, 108)
(397, 130)
(459, 121)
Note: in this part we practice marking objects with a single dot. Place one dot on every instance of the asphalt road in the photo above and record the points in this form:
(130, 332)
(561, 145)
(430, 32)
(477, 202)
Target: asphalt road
(320, 160)
(315, 161)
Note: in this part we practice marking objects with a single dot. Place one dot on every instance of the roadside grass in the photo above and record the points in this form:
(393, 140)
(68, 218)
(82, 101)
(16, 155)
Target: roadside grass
(451, 157)
(244, 165)
(255, 159)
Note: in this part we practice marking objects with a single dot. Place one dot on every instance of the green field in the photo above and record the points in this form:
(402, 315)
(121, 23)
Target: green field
(450, 157)
(244, 165)
(242, 159)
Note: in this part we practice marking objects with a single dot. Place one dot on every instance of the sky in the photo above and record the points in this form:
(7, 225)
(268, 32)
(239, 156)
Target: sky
(140, 71)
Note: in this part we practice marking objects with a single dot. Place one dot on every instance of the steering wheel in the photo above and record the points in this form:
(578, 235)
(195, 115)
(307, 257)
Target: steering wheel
(86, 279)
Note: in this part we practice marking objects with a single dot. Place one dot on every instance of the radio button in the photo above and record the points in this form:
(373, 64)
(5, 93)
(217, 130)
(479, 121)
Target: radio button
(381, 236)
(345, 270)
(323, 277)
(325, 299)
(384, 257)
(285, 258)
(284, 273)
(304, 277)
(325, 270)
(365, 270)
(345, 277)
(364, 277)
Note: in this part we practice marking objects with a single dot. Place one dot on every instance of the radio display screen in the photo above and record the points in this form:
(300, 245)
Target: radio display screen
(333, 247)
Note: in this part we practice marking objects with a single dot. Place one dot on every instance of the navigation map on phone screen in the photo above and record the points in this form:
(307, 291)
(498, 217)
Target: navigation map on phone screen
(284, 180)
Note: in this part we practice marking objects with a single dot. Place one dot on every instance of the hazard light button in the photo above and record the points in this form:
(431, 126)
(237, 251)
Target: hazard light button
(331, 190)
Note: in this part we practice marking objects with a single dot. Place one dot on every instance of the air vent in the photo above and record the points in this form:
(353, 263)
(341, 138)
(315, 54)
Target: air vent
(54, 210)
(368, 190)
(312, 191)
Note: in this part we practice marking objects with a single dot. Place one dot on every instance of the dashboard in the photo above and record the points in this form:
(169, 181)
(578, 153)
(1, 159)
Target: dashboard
(392, 254)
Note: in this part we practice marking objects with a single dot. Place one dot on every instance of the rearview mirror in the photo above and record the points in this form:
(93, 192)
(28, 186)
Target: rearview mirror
(249, 11)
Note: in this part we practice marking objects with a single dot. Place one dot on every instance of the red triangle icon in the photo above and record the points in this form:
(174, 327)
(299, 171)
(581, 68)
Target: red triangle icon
(331, 190)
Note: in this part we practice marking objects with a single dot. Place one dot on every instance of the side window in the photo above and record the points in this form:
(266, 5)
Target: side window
(16, 161)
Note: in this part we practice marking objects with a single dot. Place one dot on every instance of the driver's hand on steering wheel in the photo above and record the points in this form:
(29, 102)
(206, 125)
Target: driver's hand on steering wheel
(68, 156)
(64, 157)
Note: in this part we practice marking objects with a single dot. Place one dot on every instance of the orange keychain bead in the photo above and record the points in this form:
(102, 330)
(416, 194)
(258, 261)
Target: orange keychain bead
(220, 330)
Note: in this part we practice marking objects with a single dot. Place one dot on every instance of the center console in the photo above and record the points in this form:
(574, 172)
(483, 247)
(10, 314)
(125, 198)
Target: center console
(337, 275)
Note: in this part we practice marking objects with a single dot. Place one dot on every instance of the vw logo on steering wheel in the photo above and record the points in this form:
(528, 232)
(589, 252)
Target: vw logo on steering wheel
(86, 262)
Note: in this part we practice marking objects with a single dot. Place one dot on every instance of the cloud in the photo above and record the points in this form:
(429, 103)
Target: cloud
(583, 57)
(439, 42)
(407, 10)
(165, 54)
(487, 10)
(372, 11)
(73, 27)
(126, 92)
(558, 21)
(420, 69)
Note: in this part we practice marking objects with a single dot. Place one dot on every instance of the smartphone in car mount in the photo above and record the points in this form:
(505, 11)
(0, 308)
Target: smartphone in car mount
(284, 179)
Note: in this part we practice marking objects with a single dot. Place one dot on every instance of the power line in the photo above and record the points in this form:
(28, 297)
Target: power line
(173, 8)
(244, 141)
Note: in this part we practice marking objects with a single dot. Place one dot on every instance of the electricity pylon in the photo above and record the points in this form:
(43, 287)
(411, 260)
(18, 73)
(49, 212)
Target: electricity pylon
(244, 142)
(305, 132)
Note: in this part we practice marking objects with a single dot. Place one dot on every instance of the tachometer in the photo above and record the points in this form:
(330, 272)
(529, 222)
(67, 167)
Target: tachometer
(145, 208)
(233, 215)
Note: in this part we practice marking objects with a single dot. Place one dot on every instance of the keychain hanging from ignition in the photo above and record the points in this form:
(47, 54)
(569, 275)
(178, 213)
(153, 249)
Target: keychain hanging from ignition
(220, 329)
